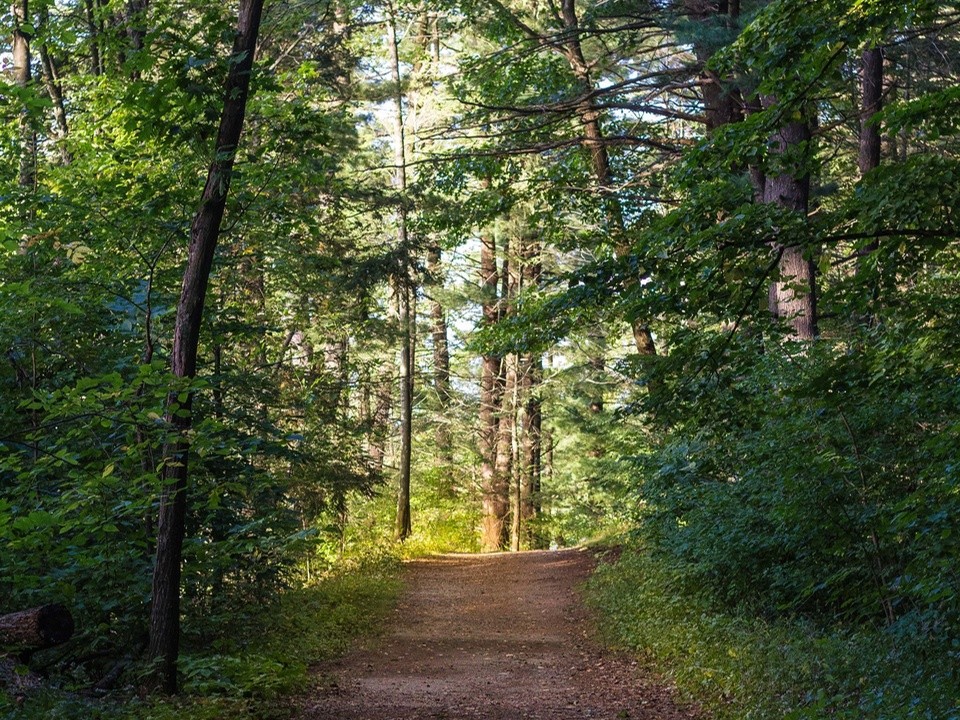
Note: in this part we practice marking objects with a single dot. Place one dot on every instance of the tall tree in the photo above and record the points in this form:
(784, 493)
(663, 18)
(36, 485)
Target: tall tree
(441, 359)
(871, 103)
(871, 139)
(94, 33)
(530, 411)
(204, 233)
(403, 289)
(722, 102)
(595, 144)
(793, 296)
(505, 467)
(494, 492)
(23, 76)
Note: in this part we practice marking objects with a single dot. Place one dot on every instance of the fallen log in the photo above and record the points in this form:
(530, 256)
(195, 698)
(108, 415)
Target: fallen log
(39, 627)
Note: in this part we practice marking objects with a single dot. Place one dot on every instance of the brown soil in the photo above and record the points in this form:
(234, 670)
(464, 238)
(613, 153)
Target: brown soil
(492, 637)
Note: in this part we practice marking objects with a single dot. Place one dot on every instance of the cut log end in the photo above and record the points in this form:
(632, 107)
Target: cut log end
(42, 626)
(55, 624)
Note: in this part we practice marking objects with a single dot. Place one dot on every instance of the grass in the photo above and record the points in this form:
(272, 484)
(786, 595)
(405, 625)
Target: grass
(740, 667)
(254, 669)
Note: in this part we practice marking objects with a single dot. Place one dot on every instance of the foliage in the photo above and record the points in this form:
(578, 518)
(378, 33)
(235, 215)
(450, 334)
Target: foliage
(827, 506)
(265, 655)
(807, 490)
(740, 666)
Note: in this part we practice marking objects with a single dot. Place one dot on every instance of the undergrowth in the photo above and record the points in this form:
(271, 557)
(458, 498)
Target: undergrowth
(741, 667)
(253, 669)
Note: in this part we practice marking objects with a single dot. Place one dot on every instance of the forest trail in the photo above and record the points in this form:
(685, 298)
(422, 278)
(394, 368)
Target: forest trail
(491, 637)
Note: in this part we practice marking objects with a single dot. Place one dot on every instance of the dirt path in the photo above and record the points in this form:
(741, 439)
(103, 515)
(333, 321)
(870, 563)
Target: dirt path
(492, 637)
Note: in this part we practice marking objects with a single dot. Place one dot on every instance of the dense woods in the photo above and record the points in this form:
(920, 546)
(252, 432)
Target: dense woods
(285, 284)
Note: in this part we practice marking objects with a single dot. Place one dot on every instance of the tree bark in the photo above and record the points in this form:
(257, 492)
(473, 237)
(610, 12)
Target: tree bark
(596, 146)
(135, 23)
(494, 496)
(51, 81)
(871, 140)
(379, 417)
(721, 99)
(793, 297)
(403, 289)
(403, 520)
(22, 75)
(165, 610)
(506, 469)
(871, 103)
(37, 627)
(441, 361)
(531, 375)
(93, 29)
(532, 448)
(506, 425)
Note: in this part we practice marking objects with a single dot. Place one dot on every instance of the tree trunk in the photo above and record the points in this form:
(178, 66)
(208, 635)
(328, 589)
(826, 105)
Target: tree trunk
(403, 520)
(165, 610)
(135, 22)
(93, 30)
(38, 627)
(531, 375)
(871, 140)
(54, 89)
(596, 146)
(793, 297)
(493, 502)
(721, 99)
(506, 425)
(336, 369)
(380, 416)
(441, 361)
(532, 448)
(758, 178)
(868, 157)
(407, 348)
(23, 77)
(51, 81)
(504, 469)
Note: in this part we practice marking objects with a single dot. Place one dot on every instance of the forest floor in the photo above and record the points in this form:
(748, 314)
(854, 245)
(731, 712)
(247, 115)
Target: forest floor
(490, 637)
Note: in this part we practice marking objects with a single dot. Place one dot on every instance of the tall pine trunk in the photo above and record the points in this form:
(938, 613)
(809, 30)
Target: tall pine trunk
(23, 76)
(531, 448)
(403, 292)
(165, 609)
(722, 101)
(493, 493)
(871, 140)
(506, 467)
(530, 410)
(793, 296)
(441, 361)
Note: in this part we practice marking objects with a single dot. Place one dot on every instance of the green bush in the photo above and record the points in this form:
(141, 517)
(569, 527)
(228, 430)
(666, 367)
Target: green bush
(743, 667)
(264, 657)
(822, 482)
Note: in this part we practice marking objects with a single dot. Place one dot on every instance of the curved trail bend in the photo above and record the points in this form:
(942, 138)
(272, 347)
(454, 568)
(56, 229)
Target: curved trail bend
(490, 637)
